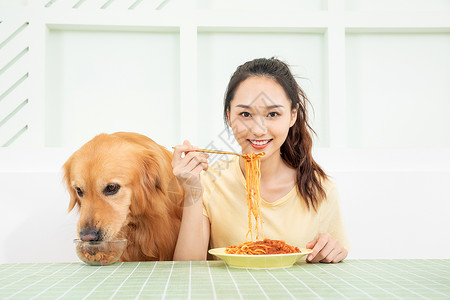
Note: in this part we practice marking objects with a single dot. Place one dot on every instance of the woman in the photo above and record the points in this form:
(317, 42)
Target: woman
(266, 110)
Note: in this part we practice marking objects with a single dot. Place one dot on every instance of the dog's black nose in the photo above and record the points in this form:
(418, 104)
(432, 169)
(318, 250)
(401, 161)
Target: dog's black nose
(90, 235)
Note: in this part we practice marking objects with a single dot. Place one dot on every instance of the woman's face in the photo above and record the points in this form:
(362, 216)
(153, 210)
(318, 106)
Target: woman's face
(260, 115)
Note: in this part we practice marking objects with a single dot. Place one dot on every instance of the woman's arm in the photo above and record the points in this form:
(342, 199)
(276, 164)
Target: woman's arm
(193, 238)
(332, 244)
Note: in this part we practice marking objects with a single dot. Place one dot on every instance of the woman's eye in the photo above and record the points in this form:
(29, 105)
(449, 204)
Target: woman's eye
(79, 192)
(111, 189)
(273, 114)
(245, 114)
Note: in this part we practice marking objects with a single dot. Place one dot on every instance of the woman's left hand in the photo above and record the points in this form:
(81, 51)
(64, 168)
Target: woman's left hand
(326, 249)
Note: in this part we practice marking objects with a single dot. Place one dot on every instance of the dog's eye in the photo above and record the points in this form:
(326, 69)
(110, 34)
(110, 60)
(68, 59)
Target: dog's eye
(111, 189)
(79, 191)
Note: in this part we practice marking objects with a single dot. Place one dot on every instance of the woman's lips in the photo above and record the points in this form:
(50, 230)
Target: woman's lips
(259, 144)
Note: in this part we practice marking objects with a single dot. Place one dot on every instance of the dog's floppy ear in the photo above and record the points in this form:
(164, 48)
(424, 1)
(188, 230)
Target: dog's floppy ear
(151, 199)
(67, 180)
(152, 185)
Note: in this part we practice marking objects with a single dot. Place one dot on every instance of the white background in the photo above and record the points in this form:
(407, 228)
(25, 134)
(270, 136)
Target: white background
(376, 72)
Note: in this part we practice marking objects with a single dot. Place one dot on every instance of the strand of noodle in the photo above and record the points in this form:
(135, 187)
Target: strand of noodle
(249, 197)
(258, 192)
(253, 194)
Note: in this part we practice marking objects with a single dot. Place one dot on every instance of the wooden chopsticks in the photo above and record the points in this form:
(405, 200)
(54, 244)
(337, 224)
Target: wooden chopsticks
(215, 151)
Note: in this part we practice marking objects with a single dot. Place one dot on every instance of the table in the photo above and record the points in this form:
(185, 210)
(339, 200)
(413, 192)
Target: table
(351, 279)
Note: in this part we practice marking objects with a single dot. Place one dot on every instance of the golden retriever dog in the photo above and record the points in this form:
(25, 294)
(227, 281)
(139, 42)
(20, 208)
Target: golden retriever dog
(124, 187)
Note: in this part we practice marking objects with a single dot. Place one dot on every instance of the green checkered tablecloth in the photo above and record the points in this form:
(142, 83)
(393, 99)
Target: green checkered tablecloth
(351, 279)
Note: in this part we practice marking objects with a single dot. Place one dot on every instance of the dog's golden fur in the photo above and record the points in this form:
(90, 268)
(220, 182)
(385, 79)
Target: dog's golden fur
(147, 207)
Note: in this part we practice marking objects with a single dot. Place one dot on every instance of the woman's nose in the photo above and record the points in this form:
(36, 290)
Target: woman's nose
(258, 127)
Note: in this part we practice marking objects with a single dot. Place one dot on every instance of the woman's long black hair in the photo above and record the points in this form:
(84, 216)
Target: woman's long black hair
(296, 150)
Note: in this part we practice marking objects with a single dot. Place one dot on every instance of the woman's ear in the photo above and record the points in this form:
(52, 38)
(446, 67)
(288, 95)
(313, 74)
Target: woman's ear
(294, 114)
(228, 118)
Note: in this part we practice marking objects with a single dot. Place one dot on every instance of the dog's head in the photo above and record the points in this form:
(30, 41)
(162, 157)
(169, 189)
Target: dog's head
(111, 178)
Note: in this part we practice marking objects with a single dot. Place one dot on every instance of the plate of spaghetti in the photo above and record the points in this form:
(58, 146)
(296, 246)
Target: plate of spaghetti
(265, 254)
(258, 254)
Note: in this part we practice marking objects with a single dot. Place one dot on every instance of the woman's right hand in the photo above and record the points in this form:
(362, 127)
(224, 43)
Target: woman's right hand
(187, 170)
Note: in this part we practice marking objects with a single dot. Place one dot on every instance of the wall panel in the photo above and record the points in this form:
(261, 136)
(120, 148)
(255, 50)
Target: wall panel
(221, 53)
(111, 81)
(397, 90)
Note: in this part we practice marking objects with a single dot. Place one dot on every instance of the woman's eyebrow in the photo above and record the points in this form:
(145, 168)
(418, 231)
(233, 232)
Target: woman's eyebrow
(275, 106)
(267, 107)
(243, 106)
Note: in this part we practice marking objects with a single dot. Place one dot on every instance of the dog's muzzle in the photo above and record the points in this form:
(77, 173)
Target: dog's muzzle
(90, 235)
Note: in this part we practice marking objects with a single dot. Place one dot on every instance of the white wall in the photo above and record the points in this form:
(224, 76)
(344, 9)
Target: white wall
(391, 211)
(34, 220)
(376, 73)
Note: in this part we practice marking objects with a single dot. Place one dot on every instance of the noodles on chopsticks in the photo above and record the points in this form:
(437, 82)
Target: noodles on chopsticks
(258, 247)
(252, 180)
